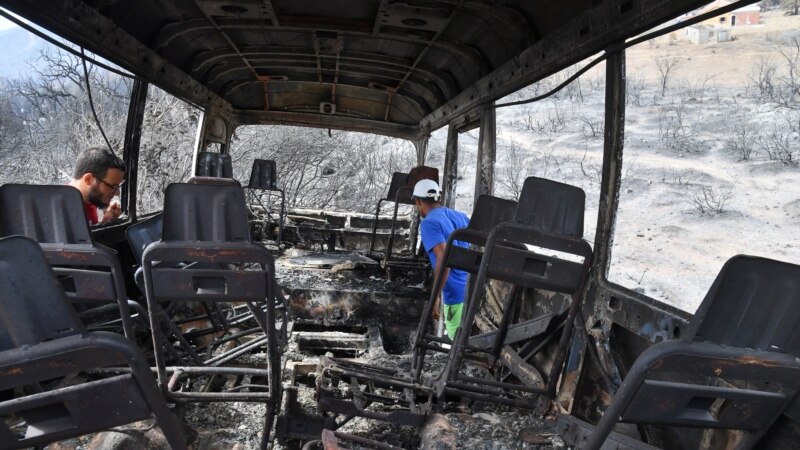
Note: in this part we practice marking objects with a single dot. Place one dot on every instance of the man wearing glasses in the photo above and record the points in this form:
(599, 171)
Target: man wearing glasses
(99, 175)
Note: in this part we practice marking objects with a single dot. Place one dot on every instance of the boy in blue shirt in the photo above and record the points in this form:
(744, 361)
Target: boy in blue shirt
(437, 224)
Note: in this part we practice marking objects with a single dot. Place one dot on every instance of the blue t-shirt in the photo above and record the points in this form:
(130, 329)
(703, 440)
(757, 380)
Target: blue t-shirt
(434, 229)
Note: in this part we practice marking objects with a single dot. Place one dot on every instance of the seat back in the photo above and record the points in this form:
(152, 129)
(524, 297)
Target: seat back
(735, 368)
(33, 309)
(399, 180)
(53, 216)
(553, 213)
(207, 213)
(489, 211)
(264, 175)
(211, 164)
(144, 233)
(46, 214)
(206, 227)
(415, 175)
(551, 207)
(41, 338)
(753, 303)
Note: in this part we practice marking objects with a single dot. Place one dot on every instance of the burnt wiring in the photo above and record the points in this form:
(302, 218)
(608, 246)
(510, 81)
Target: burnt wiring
(91, 101)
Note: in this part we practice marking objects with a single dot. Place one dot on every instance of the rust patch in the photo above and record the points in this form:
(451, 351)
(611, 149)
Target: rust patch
(747, 360)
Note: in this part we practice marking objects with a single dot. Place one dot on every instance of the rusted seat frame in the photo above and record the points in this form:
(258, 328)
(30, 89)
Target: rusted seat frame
(510, 236)
(72, 354)
(734, 339)
(399, 179)
(57, 345)
(254, 287)
(255, 184)
(379, 385)
(450, 382)
(404, 196)
(549, 215)
(461, 258)
(80, 259)
(395, 389)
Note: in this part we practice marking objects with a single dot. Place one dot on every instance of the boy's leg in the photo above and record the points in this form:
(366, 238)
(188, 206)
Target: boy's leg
(452, 318)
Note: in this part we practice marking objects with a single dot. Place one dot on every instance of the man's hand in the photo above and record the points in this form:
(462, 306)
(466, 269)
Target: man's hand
(112, 212)
(435, 313)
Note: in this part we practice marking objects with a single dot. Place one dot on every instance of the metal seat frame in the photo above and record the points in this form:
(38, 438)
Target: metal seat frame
(42, 339)
(264, 177)
(53, 216)
(735, 368)
(207, 224)
(548, 216)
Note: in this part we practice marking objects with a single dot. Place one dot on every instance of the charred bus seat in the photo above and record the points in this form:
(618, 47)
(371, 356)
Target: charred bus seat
(42, 339)
(399, 180)
(264, 178)
(146, 232)
(213, 165)
(736, 368)
(207, 224)
(540, 249)
(89, 273)
(488, 212)
(403, 196)
(139, 236)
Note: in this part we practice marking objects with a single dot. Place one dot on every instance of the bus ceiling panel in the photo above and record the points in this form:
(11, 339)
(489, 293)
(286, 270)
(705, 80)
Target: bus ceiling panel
(326, 121)
(355, 63)
(350, 101)
(391, 43)
(327, 92)
(423, 91)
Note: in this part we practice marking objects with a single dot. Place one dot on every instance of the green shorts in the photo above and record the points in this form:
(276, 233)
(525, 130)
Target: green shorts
(452, 319)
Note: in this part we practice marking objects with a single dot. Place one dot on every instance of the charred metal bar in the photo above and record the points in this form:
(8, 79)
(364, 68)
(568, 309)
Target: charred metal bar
(232, 337)
(489, 398)
(236, 352)
(390, 243)
(130, 149)
(613, 140)
(450, 173)
(487, 152)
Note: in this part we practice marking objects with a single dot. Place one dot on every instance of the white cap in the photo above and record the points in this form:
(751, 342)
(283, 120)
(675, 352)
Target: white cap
(427, 189)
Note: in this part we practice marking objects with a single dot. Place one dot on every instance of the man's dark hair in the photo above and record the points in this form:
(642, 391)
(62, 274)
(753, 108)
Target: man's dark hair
(427, 200)
(97, 161)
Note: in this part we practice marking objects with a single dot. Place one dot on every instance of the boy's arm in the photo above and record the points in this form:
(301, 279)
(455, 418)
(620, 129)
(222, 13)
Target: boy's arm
(438, 250)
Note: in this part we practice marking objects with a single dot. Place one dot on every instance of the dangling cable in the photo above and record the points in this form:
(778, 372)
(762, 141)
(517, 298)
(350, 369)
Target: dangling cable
(91, 101)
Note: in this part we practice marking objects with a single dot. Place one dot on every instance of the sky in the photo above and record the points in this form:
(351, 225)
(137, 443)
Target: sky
(6, 24)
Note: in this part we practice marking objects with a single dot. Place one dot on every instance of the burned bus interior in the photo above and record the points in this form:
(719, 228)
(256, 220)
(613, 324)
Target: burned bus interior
(229, 306)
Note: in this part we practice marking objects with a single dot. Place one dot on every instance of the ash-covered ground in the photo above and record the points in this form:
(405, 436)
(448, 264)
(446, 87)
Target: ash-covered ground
(476, 426)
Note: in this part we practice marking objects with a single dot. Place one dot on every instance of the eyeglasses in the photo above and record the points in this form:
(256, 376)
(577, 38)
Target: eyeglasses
(113, 187)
